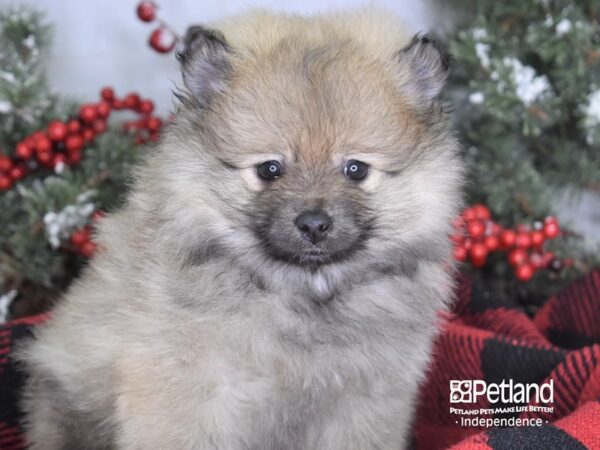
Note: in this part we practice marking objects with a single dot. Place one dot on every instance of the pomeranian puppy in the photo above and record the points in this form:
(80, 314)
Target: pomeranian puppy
(274, 279)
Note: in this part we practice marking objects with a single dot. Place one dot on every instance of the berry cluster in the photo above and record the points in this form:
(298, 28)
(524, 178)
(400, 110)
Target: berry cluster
(477, 236)
(62, 143)
(81, 240)
(162, 39)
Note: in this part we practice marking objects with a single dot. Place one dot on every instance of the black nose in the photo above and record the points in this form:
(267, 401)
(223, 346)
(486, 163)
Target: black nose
(313, 225)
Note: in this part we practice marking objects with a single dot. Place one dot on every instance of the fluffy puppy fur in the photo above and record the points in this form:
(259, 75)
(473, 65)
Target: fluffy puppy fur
(208, 320)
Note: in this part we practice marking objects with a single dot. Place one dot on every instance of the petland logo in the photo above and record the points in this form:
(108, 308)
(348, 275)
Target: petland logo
(471, 391)
(515, 401)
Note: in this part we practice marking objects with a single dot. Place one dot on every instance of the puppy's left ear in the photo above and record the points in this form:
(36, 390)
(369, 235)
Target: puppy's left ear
(204, 63)
(424, 69)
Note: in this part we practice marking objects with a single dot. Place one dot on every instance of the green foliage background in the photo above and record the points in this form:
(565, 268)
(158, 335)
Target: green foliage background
(525, 149)
(28, 263)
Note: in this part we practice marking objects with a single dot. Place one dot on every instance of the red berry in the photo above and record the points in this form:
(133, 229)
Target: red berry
(481, 212)
(537, 261)
(517, 257)
(154, 136)
(88, 113)
(74, 126)
(524, 272)
(88, 135)
(43, 144)
(37, 136)
(57, 131)
(108, 94)
(550, 219)
(146, 107)
(5, 163)
(29, 142)
(548, 256)
(118, 104)
(508, 238)
(74, 143)
(492, 243)
(18, 172)
(457, 239)
(153, 123)
(458, 223)
(460, 253)
(23, 151)
(537, 238)
(551, 229)
(104, 110)
(162, 40)
(99, 126)
(478, 254)
(80, 237)
(495, 229)
(87, 249)
(523, 239)
(45, 158)
(75, 157)
(5, 182)
(98, 214)
(132, 100)
(146, 11)
(469, 214)
(476, 229)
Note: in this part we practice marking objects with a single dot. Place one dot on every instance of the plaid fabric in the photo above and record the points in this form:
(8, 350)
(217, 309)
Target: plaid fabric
(11, 380)
(484, 339)
(488, 339)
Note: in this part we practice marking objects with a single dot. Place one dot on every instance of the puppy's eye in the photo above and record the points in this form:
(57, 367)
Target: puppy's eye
(269, 170)
(356, 170)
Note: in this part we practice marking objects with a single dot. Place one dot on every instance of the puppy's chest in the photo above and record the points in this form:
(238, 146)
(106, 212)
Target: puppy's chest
(272, 354)
(335, 341)
(299, 341)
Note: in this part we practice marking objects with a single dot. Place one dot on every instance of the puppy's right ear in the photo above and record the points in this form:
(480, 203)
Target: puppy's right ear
(204, 63)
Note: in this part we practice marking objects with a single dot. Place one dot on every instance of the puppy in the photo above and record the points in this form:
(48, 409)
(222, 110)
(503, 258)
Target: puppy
(274, 279)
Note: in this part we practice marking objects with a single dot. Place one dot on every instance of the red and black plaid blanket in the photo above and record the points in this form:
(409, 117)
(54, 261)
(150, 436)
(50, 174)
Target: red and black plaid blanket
(485, 339)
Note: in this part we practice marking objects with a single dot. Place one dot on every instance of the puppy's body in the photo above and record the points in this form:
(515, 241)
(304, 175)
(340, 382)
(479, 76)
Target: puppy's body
(208, 320)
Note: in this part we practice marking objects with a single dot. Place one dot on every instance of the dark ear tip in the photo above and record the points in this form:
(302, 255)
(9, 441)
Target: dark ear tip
(192, 33)
(189, 37)
(197, 36)
(199, 33)
(420, 40)
(426, 40)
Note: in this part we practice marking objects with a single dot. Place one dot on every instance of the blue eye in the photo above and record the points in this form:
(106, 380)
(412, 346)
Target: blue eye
(356, 170)
(269, 170)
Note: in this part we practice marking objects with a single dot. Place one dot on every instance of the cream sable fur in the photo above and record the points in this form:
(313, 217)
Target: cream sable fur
(233, 308)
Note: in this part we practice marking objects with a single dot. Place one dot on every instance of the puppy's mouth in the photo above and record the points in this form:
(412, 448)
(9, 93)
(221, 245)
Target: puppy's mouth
(317, 257)
(313, 256)
(310, 258)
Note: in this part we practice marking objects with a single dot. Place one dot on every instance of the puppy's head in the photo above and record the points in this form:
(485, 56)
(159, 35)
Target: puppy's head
(314, 144)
